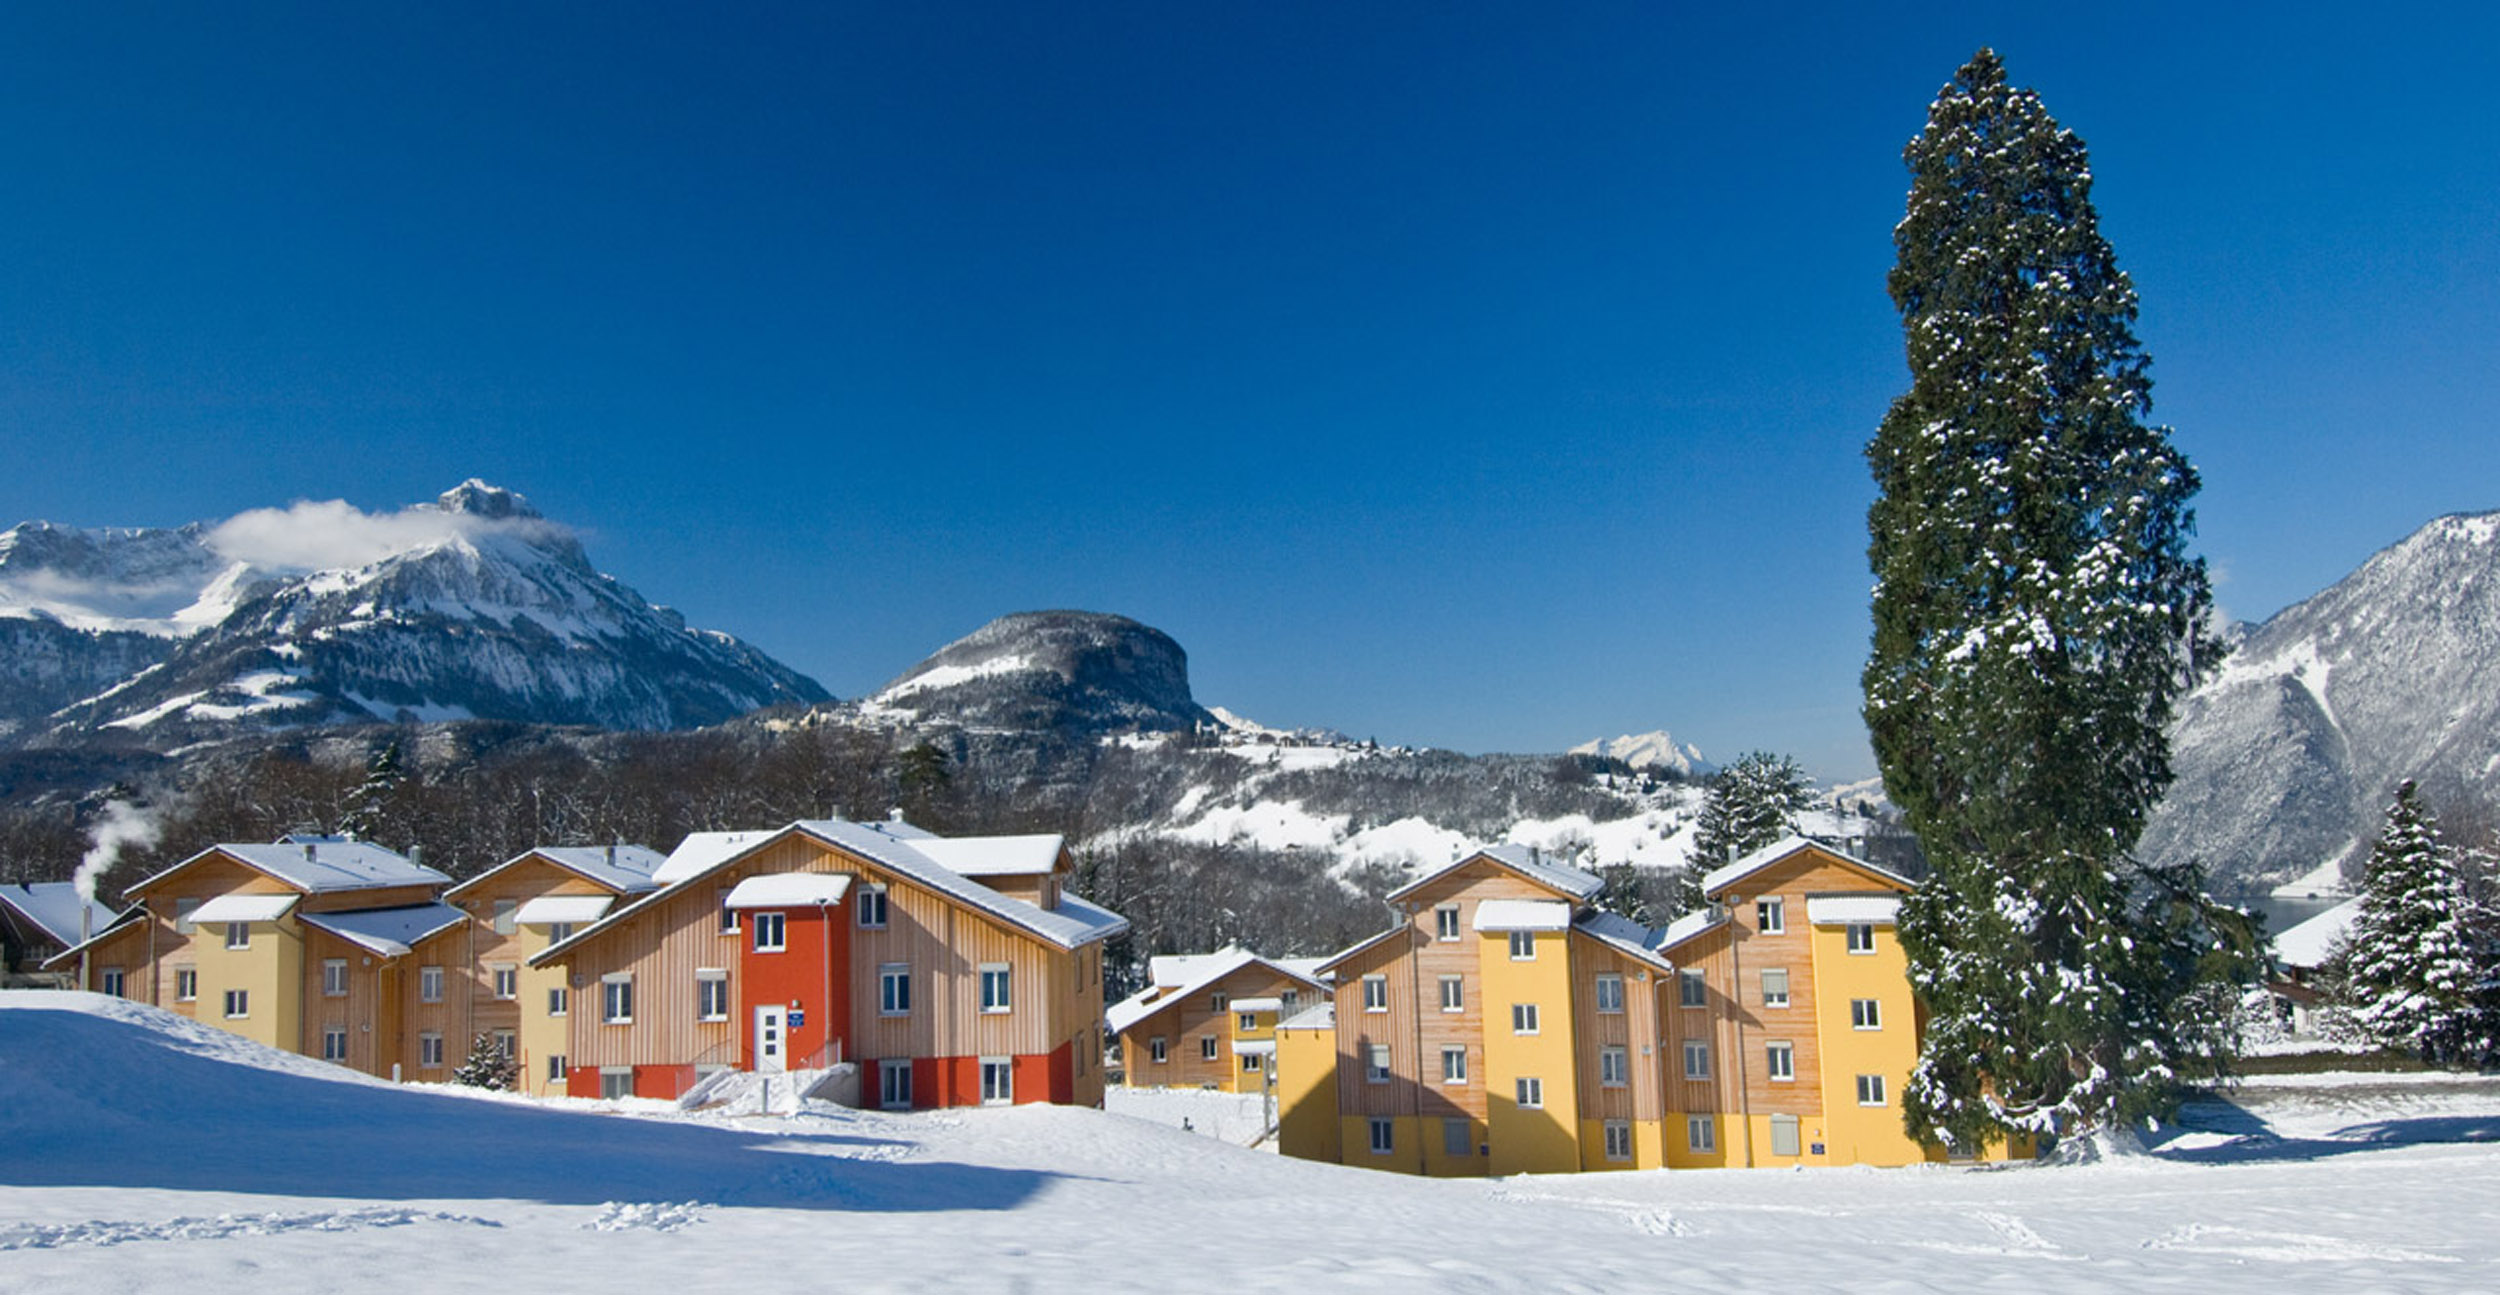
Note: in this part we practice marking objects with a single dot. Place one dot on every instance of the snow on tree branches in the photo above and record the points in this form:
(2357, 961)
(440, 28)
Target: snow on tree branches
(2410, 973)
(2036, 618)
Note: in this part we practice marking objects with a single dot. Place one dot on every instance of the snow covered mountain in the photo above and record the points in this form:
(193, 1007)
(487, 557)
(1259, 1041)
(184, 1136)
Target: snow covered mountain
(473, 606)
(2287, 758)
(1070, 673)
(1656, 749)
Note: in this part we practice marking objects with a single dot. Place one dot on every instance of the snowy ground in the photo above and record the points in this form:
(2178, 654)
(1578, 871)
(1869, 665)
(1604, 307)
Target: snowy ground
(139, 1153)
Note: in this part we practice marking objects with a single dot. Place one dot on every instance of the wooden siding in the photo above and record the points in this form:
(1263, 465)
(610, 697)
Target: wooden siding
(1635, 1029)
(1182, 1023)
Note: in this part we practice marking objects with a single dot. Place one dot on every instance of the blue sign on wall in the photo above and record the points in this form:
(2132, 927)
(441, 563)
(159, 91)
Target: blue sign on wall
(797, 1018)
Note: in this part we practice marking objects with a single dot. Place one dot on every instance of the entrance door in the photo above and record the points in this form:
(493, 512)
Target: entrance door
(771, 1040)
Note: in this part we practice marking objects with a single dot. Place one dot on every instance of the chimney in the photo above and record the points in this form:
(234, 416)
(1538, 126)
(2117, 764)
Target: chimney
(416, 855)
(309, 847)
(611, 855)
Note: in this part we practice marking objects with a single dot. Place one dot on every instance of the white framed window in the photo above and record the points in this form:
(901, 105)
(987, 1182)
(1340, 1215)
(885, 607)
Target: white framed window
(1250, 1062)
(1384, 1136)
(995, 994)
(1206, 1047)
(1218, 1001)
(238, 1004)
(183, 909)
(1453, 993)
(1454, 1063)
(1866, 1014)
(1458, 1137)
(1610, 993)
(1376, 1064)
(1618, 1139)
(1247, 1022)
(559, 932)
(559, 1000)
(728, 915)
(616, 998)
(1523, 946)
(1531, 1093)
(711, 994)
(334, 1043)
(187, 983)
(238, 935)
(1375, 993)
(894, 1084)
(1770, 916)
(1861, 937)
(1523, 1018)
(616, 1082)
(430, 1050)
(1691, 990)
(334, 977)
(1870, 1090)
(506, 1043)
(1292, 1000)
(429, 984)
(1775, 986)
(504, 909)
(1614, 1066)
(998, 1081)
(871, 901)
(772, 933)
(506, 978)
(1701, 1132)
(1780, 1061)
(111, 981)
(894, 989)
(1158, 1049)
(556, 1071)
(1445, 922)
(1696, 1059)
(1784, 1140)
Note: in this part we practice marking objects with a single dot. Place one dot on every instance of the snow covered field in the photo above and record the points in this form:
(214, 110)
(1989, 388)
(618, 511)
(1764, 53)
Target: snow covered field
(139, 1152)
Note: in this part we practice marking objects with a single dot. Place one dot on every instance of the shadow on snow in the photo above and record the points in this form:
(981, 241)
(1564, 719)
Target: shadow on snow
(2254, 1141)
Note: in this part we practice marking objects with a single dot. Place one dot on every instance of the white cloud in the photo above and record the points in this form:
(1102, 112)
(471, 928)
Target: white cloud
(330, 534)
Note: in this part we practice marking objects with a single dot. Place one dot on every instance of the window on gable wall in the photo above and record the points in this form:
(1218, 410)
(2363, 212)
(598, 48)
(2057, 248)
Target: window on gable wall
(1775, 986)
(1610, 993)
(1691, 989)
(1770, 916)
(871, 907)
(1445, 922)
(1453, 993)
(1375, 993)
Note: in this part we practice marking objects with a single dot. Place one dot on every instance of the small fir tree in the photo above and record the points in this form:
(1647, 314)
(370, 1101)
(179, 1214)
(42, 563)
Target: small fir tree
(487, 1065)
(2409, 974)
(1751, 803)
(2036, 618)
(369, 803)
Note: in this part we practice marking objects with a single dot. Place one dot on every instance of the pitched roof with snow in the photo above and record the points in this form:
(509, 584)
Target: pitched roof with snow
(625, 869)
(993, 856)
(53, 908)
(1528, 862)
(1625, 935)
(574, 909)
(1190, 974)
(319, 865)
(790, 890)
(241, 907)
(2306, 944)
(390, 932)
(1688, 926)
(701, 852)
(132, 916)
(1727, 875)
(1838, 910)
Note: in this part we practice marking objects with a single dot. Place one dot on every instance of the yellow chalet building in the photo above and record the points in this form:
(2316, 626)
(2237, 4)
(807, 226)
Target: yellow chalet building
(952, 971)
(1209, 1020)
(518, 908)
(320, 945)
(1509, 1027)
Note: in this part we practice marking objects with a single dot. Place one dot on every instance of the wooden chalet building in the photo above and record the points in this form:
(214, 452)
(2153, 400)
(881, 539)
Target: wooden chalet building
(518, 908)
(320, 945)
(953, 971)
(1209, 1020)
(1509, 1027)
(39, 919)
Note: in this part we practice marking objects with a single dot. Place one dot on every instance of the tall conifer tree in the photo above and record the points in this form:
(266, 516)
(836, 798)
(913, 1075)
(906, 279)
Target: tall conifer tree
(2036, 616)
(2409, 972)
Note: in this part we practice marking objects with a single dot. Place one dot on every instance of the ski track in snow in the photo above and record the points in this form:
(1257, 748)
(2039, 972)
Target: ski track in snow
(103, 1232)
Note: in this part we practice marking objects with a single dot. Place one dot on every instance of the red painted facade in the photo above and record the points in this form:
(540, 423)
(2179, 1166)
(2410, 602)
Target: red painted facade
(811, 974)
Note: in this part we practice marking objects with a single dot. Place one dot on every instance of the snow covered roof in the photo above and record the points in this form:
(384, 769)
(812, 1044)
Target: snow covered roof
(2307, 943)
(1836, 910)
(244, 908)
(625, 869)
(1332, 961)
(1688, 926)
(391, 932)
(993, 856)
(1528, 862)
(1254, 1047)
(53, 908)
(790, 890)
(1258, 1004)
(575, 909)
(1523, 915)
(1727, 875)
(1622, 933)
(319, 865)
(893, 845)
(1192, 973)
(67, 956)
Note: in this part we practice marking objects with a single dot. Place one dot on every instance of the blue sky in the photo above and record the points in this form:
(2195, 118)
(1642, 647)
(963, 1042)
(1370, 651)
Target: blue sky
(1477, 376)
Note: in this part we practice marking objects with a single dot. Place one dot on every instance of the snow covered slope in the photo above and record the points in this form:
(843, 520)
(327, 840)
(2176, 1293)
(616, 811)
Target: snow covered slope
(473, 606)
(2286, 760)
(1656, 749)
(143, 1153)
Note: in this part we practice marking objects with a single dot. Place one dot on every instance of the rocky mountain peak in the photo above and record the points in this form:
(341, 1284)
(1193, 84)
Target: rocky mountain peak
(1071, 671)
(475, 498)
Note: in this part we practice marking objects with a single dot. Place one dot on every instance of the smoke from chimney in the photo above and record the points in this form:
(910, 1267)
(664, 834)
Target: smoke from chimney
(121, 826)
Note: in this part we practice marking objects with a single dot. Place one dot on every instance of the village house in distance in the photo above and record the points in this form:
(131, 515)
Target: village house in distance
(1509, 1027)
(952, 971)
(1209, 1020)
